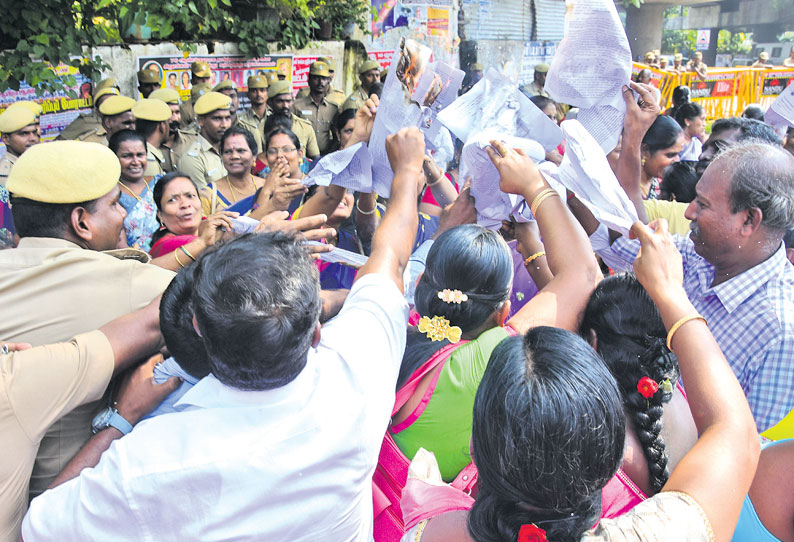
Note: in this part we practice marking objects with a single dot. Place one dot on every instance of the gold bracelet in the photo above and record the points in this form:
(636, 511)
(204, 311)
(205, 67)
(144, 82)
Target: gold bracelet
(680, 323)
(188, 254)
(358, 208)
(540, 198)
(534, 257)
(176, 255)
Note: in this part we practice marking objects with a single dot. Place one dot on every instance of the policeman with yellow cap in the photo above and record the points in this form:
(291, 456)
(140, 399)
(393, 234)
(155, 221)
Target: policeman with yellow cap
(333, 95)
(200, 74)
(228, 88)
(19, 131)
(202, 162)
(280, 103)
(316, 108)
(65, 204)
(178, 140)
(186, 107)
(535, 88)
(151, 121)
(257, 94)
(149, 81)
(86, 123)
(116, 114)
(368, 75)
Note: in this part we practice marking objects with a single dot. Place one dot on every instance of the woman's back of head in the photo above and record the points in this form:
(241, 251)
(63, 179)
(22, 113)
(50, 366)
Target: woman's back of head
(663, 133)
(548, 434)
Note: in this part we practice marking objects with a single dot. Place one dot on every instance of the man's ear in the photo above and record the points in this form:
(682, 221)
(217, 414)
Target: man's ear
(752, 221)
(81, 224)
(316, 337)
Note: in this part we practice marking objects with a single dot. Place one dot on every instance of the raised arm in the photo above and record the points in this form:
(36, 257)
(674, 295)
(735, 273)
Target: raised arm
(394, 238)
(718, 470)
(561, 302)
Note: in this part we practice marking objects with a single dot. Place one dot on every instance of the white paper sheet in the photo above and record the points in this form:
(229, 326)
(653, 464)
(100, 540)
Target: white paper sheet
(495, 104)
(590, 67)
(781, 112)
(244, 224)
(350, 167)
(586, 172)
(340, 255)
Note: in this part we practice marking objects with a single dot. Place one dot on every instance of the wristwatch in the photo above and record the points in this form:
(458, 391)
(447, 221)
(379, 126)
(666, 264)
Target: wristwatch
(110, 417)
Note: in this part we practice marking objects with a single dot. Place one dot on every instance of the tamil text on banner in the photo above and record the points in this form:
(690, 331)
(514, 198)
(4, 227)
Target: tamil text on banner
(300, 71)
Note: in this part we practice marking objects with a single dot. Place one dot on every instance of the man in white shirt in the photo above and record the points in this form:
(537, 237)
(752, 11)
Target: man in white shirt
(281, 441)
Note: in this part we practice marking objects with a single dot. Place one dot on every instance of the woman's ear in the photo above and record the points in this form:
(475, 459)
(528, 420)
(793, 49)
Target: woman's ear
(593, 339)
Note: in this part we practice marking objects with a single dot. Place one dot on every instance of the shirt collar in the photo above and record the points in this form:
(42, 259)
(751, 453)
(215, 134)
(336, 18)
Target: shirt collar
(46, 242)
(735, 291)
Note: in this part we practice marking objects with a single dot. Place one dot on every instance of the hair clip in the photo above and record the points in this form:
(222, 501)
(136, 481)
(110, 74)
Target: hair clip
(452, 296)
(647, 387)
(438, 329)
(531, 533)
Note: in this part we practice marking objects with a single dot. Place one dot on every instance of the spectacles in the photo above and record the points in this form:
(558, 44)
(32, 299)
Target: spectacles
(273, 151)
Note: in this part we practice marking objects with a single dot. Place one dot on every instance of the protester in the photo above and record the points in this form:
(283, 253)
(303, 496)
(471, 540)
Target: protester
(678, 183)
(692, 119)
(661, 146)
(280, 101)
(754, 111)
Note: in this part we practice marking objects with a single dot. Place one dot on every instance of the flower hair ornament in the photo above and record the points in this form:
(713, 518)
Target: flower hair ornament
(531, 533)
(647, 387)
(437, 328)
(452, 296)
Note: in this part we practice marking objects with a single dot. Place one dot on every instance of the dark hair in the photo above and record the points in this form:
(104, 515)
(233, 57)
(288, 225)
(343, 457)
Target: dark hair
(115, 141)
(157, 195)
(748, 129)
(146, 127)
(376, 88)
(176, 325)
(680, 96)
(39, 219)
(343, 117)
(630, 337)
(688, 112)
(257, 302)
(239, 130)
(679, 179)
(541, 101)
(662, 134)
(547, 435)
(639, 74)
(788, 239)
(276, 121)
(753, 111)
(279, 130)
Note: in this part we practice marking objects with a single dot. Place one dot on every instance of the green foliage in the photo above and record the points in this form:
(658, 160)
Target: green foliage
(635, 3)
(679, 41)
(338, 14)
(735, 43)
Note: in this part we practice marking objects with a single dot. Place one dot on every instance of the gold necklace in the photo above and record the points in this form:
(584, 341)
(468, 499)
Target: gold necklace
(234, 192)
(136, 196)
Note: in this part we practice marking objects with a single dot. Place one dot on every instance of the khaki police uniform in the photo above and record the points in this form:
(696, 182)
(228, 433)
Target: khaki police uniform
(173, 152)
(202, 162)
(335, 96)
(305, 132)
(359, 96)
(6, 162)
(188, 115)
(256, 133)
(321, 117)
(67, 375)
(155, 161)
(80, 126)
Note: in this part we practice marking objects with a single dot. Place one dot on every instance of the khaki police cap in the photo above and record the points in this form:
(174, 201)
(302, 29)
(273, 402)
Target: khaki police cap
(271, 76)
(64, 172)
(369, 65)
(30, 106)
(212, 101)
(168, 95)
(106, 83)
(351, 103)
(319, 68)
(764, 55)
(148, 75)
(649, 55)
(201, 69)
(151, 109)
(257, 81)
(16, 118)
(98, 93)
(542, 68)
(116, 105)
(225, 85)
(328, 61)
(278, 87)
(678, 56)
(197, 91)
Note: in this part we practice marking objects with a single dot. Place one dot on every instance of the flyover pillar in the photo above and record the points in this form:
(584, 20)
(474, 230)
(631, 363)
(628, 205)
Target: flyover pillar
(644, 28)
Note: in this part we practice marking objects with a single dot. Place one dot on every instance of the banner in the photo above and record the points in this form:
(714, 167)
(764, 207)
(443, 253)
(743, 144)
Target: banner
(300, 71)
(775, 82)
(382, 57)
(715, 85)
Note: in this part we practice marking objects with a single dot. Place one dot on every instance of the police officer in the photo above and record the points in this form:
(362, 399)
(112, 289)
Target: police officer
(18, 131)
(196, 92)
(257, 94)
(535, 88)
(280, 102)
(178, 140)
(148, 81)
(200, 74)
(151, 121)
(116, 114)
(316, 108)
(228, 88)
(368, 75)
(333, 95)
(202, 162)
(86, 123)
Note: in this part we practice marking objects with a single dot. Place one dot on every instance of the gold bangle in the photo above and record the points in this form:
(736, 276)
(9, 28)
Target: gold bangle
(534, 257)
(176, 255)
(540, 198)
(358, 208)
(188, 254)
(680, 323)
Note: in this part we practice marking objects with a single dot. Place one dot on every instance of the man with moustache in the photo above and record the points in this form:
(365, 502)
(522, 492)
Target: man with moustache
(280, 102)
(178, 140)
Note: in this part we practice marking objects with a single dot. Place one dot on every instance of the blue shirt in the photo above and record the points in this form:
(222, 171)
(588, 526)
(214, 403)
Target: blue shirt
(752, 319)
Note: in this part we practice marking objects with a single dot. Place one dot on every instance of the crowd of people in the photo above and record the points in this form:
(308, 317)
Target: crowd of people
(182, 360)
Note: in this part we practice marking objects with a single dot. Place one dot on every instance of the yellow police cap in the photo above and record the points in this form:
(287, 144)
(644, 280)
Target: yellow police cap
(98, 93)
(257, 81)
(106, 83)
(201, 69)
(212, 101)
(764, 55)
(225, 85)
(149, 75)
(542, 68)
(319, 68)
(197, 91)
(351, 103)
(328, 61)
(168, 95)
(30, 106)
(151, 109)
(64, 172)
(278, 87)
(116, 105)
(650, 55)
(678, 56)
(271, 76)
(369, 65)
(16, 118)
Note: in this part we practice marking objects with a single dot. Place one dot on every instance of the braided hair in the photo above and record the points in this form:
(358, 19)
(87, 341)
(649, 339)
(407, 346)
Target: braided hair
(630, 337)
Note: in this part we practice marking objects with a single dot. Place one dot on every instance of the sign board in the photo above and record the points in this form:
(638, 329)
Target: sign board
(703, 39)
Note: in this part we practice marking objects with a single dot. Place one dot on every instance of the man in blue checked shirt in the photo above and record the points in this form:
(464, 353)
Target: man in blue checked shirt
(736, 272)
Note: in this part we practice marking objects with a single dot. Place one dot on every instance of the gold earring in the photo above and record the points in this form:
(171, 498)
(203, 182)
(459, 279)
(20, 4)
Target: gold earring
(643, 160)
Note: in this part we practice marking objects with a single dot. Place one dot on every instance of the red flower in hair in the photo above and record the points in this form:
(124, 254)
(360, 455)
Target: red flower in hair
(531, 533)
(647, 387)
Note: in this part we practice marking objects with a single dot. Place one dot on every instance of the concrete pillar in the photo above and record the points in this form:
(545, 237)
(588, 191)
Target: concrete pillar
(644, 28)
